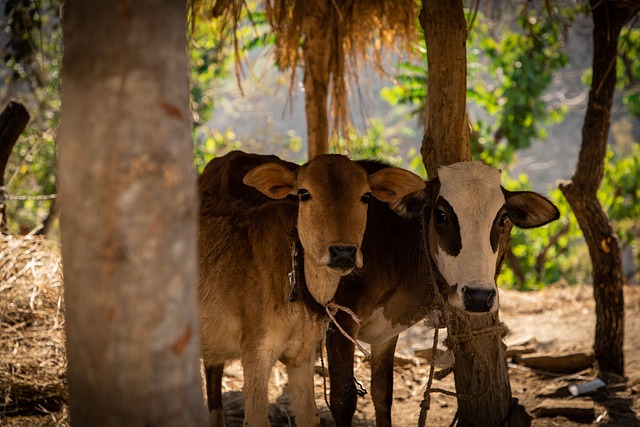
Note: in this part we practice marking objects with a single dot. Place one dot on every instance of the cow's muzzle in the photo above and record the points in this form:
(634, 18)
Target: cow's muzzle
(478, 300)
(342, 257)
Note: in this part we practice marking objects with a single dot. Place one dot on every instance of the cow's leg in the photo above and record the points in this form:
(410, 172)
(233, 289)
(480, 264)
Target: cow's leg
(382, 380)
(213, 379)
(343, 396)
(257, 363)
(302, 393)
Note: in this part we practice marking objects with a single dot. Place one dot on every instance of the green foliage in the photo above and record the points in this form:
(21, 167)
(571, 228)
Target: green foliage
(620, 195)
(547, 254)
(620, 191)
(410, 82)
(368, 145)
(410, 87)
(374, 144)
(558, 251)
(31, 74)
(212, 143)
(520, 66)
(628, 70)
(215, 49)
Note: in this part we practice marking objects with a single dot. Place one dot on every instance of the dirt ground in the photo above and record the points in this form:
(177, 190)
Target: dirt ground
(560, 319)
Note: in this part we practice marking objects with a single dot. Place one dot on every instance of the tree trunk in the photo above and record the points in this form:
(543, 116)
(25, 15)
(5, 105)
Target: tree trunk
(446, 138)
(128, 216)
(316, 51)
(480, 370)
(480, 364)
(13, 120)
(608, 17)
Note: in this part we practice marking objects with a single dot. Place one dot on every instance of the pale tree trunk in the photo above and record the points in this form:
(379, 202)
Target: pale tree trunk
(128, 216)
(608, 18)
(316, 52)
(480, 364)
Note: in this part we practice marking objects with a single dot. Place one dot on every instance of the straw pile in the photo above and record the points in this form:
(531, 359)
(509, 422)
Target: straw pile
(32, 352)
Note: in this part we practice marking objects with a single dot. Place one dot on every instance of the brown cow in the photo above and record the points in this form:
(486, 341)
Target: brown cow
(449, 238)
(245, 250)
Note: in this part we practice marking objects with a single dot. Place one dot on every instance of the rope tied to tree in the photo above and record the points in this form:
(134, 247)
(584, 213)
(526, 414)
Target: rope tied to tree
(464, 341)
(453, 342)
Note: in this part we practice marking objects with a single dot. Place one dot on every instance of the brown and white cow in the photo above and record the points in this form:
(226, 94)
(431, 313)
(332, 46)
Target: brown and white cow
(452, 240)
(245, 250)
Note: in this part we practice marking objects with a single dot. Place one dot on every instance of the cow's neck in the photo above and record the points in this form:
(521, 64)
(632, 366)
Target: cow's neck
(322, 282)
(298, 281)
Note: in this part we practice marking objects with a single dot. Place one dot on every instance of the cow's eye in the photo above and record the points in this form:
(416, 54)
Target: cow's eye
(365, 197)
(441, 217)
(304, 195)
(503, 220)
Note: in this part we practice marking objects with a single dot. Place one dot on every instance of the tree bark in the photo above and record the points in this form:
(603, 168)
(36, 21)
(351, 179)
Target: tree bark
(480, 368)
(129, 215)
(446, 138)
(13, 120)
(316, 52)
(481, 373)
(604, 249)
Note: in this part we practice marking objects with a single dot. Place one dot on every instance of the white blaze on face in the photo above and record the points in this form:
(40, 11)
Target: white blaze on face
(473, 191)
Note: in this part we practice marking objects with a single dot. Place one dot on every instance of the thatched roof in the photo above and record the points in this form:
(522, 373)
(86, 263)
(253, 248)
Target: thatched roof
(362, 28)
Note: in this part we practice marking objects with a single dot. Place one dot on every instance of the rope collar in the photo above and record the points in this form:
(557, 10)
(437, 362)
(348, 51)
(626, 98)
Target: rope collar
(298, 290)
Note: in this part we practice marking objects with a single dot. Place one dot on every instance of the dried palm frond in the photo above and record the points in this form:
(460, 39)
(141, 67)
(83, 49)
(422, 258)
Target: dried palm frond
(359, 31)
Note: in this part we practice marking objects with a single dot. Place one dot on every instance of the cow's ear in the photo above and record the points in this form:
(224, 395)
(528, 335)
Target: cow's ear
(410, 206)
(527, 209)
(392, 184)
(272, 180)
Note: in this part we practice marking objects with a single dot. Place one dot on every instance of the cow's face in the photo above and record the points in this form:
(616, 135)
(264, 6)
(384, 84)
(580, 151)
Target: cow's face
(333, 192)
(468, 218)
(332, 213)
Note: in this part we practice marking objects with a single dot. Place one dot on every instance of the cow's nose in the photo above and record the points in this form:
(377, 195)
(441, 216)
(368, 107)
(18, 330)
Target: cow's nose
(342, 256)
(478, 300)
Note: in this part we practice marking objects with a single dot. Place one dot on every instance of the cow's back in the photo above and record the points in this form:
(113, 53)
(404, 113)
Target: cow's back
(222, 177)
(244, 261)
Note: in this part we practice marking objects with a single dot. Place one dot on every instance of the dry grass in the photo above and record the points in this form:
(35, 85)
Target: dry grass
(32, 351)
